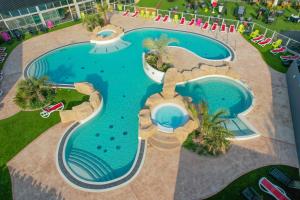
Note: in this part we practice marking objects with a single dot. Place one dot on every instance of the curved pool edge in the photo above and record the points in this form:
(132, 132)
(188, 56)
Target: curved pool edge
(242, 115)
(231, 51)
(89, 186)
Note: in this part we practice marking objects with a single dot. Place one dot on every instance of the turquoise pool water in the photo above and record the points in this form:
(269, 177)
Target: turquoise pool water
(169, 116)
(105, 147)
(105, 33)
(218, 93)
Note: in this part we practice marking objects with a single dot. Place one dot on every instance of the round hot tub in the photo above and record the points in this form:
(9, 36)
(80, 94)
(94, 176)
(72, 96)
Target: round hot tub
(169, 116)
(105, 33)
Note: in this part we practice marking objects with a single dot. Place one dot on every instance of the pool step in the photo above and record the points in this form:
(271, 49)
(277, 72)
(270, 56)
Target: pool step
(164, 141)
(91, 164)
(41, 68)
(236, 126)
(110, 48)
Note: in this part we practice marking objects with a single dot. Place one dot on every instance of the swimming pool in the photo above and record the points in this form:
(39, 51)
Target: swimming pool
(218, 92)
(104, 148)
(169, 116)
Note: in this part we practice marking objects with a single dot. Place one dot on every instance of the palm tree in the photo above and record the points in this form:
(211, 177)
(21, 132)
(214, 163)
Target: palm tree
(33, 93)
(91, 21)
(214, 135)
(159, 46)
(103, 9)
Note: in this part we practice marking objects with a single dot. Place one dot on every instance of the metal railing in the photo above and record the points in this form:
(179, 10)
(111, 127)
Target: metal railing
(292, 45)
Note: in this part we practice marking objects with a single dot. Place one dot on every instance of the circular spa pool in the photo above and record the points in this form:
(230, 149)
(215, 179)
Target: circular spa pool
(169, 116)
(105, 33)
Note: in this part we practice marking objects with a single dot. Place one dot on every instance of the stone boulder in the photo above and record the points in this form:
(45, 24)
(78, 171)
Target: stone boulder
(95, 100)
(67, 116)
(84, 88)
(83, 111)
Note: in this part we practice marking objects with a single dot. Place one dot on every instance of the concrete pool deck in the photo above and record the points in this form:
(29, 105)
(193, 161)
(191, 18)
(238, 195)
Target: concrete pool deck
(165, 175)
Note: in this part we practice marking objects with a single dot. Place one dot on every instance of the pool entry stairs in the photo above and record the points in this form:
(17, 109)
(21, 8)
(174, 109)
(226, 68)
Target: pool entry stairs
(238, 127)
(164, 141)
(90, 165)
(41, 68)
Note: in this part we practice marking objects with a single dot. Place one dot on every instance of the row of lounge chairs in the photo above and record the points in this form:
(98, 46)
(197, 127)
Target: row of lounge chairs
(3, 54)
(262, 41)
(193, 22)
(1, 78)
(270, 188)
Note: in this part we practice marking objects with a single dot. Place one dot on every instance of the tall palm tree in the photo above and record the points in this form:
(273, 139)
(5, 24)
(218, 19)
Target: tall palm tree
(214, 135)
(33, 93)
(159, 46)
(103, 9)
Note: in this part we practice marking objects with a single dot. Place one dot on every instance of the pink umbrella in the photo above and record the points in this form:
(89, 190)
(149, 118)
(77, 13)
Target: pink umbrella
(49, 24)
(5, 36)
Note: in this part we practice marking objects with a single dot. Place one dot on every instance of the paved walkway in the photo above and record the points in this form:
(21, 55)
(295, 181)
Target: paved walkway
(165, 175)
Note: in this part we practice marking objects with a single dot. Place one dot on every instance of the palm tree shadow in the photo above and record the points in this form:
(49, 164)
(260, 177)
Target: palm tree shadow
(31, 189)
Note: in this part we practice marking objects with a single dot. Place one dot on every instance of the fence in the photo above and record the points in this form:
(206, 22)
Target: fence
(292, 45)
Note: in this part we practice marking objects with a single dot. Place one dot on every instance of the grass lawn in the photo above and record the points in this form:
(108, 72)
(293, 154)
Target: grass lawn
(233, 190)
(22, 128)
(14, 43)
(272, 60)
(280, 24)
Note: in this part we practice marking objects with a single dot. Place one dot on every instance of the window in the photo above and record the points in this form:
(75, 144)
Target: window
(5, 15)
(49, 5)
(2, 26)
(24, 11)
(15, 13)
(57, 4)
(32, 9)
(42, 7)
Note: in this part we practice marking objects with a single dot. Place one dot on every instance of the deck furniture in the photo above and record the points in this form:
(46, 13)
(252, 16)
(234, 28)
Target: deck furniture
(46, 112)
(182, 21)
(258, 38)
(126, 13)
(214, 27)
(254, 34)
(278, 50)
(205, 26)
(268, 187)
(135, 13)
(265, 42)
(290, 57)
(192, 22)
(277, 43)
(157, 18)
(223, 28)
(250, 193)
(198, 22)
(231, 28)
(166, 18)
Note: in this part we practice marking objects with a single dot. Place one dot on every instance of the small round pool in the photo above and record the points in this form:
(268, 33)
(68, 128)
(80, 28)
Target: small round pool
(105, 33)
(169, 116)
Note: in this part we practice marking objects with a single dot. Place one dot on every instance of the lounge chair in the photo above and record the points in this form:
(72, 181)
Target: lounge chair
(50, 109)
(135, 13)
(157, 18)
(153, 15)
(290, 57)
(277, 43)
(1, 76)
(182, 21)
(231, 28)
(198, 22)
(265, 42)
(258, 38)
(223, 28)
(166, 18)
(205, 26)
(2, 49)
(147, 14)
(267, 186)
(192, 22)
(142, 13)
(278, 50)
(176, 18)
(250, 194)
(1, 92)
(3, 54)
(254, 34)
(126, 13)
(2, 59)
(214, 27)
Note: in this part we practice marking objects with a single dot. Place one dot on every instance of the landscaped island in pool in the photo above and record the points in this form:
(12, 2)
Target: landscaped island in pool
(103, 150)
